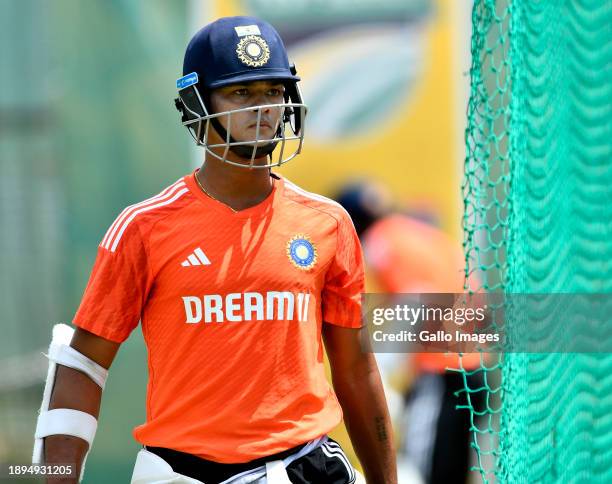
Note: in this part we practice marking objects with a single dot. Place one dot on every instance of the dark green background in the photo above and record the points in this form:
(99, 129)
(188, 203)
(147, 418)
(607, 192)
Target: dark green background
(87, 126)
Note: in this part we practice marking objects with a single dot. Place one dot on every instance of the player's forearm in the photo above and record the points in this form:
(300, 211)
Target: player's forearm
(361, 396)
(77, 391)
(65, 450)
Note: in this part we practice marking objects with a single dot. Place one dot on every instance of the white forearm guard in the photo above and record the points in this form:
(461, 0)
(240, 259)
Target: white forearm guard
(64, 421)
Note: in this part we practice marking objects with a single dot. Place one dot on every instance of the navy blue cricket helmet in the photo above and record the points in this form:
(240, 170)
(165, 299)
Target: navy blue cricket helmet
(238, 50)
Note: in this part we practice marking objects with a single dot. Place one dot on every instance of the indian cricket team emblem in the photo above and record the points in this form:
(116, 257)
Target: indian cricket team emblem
(301, 252)
(253, 51)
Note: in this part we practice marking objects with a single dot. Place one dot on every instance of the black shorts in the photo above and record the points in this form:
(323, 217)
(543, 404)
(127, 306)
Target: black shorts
(327, 464)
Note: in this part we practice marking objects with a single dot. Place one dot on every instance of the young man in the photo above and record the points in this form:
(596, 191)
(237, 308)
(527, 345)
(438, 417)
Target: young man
(237, 277)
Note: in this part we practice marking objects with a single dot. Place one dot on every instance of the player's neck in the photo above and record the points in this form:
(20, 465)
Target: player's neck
(236, 187)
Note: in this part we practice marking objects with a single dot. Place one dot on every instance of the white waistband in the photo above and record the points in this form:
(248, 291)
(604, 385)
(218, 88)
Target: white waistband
(152, 469)
(253, 475)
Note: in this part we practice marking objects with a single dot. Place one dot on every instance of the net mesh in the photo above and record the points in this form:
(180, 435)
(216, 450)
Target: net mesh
(538, 219)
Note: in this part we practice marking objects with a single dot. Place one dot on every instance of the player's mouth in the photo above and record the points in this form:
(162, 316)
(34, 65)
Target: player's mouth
(262, 124)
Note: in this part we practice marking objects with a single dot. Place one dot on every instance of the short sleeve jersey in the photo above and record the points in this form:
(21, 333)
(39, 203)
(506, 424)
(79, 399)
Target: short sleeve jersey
(231, 306)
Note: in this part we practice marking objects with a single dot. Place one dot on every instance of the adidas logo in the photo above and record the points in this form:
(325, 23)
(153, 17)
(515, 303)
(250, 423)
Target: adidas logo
(198, 258)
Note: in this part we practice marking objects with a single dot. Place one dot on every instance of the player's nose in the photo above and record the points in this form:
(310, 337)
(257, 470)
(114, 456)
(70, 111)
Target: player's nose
(261, 100)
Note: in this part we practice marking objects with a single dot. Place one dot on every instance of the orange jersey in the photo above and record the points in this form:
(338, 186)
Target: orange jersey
(231, 306)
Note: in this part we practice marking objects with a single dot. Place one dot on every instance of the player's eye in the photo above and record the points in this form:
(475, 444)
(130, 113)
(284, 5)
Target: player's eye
(241, 92)
(275, 92)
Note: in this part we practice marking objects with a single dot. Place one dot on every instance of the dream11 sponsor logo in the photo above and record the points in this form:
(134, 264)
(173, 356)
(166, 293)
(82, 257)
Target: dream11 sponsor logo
(248, 306)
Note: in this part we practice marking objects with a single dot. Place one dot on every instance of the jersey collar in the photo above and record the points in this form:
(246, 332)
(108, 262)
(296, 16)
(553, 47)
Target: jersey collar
(258, 210)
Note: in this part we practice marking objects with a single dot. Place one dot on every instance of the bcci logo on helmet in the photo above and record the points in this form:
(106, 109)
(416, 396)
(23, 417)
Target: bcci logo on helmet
(301, 252)
(253, 51)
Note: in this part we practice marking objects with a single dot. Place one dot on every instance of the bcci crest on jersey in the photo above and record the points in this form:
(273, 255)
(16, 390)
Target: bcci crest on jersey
(249, 306)
(301, 252)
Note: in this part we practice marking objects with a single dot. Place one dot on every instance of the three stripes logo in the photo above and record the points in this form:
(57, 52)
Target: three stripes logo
(332, 450)
(116, 230)
(197, 258)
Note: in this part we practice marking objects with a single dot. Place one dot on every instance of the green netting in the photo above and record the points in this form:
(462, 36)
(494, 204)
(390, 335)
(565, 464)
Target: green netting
(538, 219)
